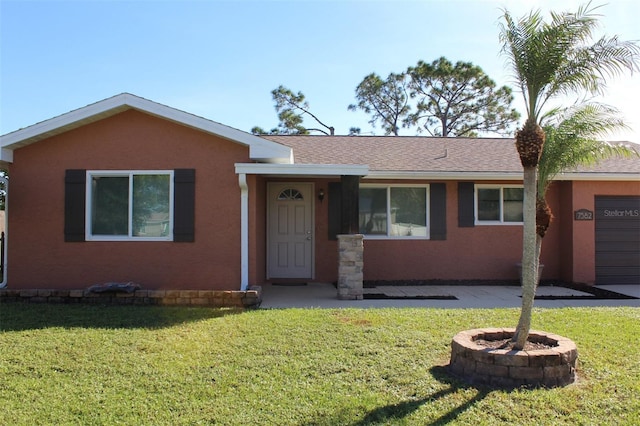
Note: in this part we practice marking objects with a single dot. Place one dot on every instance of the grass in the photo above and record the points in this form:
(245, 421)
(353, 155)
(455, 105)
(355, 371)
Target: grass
(97, 365)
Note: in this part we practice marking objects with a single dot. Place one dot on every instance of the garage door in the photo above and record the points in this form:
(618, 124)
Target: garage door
(617, 240)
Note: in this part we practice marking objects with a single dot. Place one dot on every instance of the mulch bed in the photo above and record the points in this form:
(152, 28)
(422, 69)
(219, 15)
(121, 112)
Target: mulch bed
(377, 283)
(507, 344)
(594, 292)
(597, 293)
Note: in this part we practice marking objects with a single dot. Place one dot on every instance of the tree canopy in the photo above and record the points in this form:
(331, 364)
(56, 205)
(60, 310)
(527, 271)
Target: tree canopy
(458, 100)
(440, 98)
(291, 108)
(386, 101)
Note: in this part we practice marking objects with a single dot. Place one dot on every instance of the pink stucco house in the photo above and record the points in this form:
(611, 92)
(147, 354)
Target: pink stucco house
(129, 190)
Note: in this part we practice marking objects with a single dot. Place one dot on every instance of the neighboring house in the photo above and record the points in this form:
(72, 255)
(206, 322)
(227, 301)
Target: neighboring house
(128, 190)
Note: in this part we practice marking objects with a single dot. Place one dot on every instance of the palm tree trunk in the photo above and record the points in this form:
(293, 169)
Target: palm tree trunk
(529, 258)
(538, 250)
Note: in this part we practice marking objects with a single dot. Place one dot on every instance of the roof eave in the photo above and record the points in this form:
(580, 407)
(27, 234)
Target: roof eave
(259, 149)
(504, 176)
(595, 176)
(60, 124)
(306, 170)
(441, 175)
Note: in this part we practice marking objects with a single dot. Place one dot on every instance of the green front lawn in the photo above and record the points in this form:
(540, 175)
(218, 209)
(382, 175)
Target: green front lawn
(85, 365)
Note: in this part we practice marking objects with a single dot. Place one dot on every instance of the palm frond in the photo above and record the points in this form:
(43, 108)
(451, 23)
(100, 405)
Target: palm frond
(574, 137)
(558, 57)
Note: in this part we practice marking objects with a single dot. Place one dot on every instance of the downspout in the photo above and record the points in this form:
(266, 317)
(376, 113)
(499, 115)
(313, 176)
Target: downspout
(5, 182)
(244, 231)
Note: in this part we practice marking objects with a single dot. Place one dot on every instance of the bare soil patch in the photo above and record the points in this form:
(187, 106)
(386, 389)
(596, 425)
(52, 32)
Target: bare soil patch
(508, 344)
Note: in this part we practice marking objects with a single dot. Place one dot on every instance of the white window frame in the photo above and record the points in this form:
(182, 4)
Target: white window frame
(388, 189)
(130, 174)
(494, 222)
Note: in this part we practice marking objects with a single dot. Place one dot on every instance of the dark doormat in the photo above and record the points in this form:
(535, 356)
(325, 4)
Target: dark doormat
(387, 297)
(284, 284)
(414, 283)
(595, 294)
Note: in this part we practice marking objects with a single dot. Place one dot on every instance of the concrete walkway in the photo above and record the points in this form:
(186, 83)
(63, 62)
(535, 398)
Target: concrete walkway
(324, 295)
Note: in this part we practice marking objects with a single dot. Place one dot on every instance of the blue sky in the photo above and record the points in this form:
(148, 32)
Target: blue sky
(221, 59)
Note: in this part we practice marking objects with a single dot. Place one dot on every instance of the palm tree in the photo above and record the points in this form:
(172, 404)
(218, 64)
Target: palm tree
(550, 59)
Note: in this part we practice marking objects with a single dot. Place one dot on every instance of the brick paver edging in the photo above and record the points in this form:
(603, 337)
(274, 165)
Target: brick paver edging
(505, 368)
(250, 298)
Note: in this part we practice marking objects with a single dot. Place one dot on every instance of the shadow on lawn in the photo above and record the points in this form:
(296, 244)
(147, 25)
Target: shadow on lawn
(394, 412)
(23, 316)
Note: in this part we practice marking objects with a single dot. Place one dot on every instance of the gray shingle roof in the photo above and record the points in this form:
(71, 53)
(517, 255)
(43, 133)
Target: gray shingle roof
(424, 154)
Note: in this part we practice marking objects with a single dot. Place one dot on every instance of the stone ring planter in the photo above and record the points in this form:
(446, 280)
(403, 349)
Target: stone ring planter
(506, 368)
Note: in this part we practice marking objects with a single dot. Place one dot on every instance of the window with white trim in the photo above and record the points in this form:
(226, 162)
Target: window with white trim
(393, 211)
(129, 205)
(498, 204)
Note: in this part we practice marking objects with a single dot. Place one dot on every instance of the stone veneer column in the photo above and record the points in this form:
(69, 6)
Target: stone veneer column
(350, 266)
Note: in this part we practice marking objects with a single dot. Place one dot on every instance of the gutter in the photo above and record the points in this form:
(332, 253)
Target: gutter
(5, 181)
(244, 231)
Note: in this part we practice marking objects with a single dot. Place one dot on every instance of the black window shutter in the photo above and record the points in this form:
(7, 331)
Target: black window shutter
(184, 202)
(335, 209)
(75, 183)
(349, 204)
(466, 215)
(438, 213)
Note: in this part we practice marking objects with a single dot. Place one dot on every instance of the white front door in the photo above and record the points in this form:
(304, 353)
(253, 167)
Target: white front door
(290, 230)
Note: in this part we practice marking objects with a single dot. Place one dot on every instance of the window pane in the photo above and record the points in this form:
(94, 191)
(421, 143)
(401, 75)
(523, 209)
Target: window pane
(290, 195)
(151, 205)
(513, 204)
(489, 204)
(408, 212)
(110, 213)
(373, 211)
